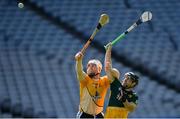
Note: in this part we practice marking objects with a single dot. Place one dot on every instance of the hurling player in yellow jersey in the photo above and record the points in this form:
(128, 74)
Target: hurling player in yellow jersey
(122, 99)
(93, 88)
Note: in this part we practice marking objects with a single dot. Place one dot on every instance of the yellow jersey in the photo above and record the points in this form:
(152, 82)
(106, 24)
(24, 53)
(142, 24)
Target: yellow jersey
(92, 94)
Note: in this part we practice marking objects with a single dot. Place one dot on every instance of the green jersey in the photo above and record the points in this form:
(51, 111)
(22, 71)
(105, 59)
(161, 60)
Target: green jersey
(116, 89)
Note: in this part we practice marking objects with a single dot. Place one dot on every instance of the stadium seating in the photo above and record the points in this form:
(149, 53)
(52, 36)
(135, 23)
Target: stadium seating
(37, 75)
(146, 46)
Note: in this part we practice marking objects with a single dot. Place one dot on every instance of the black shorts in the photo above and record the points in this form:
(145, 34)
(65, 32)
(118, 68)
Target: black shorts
(85, 115)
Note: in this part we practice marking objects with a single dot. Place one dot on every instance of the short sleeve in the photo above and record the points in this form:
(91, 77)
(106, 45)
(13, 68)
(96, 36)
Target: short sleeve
(115, 85)
(85, 80)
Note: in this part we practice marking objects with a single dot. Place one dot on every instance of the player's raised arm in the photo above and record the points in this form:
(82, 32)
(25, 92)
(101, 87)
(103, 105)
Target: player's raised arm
(79, 67)
(112, 73)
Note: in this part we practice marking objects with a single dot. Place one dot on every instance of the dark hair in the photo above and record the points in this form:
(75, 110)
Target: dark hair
(133, 77)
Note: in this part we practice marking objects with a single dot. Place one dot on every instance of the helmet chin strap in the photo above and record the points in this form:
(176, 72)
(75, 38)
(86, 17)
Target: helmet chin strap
(92, 75)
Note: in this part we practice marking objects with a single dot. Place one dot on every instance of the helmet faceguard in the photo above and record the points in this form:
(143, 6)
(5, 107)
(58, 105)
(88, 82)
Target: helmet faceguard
(133, 77)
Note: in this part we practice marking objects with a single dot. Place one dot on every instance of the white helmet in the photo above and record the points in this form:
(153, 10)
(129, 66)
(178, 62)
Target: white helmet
(97, 62)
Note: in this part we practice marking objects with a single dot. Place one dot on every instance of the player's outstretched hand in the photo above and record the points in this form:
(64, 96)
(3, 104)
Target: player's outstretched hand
(109, 45)
(78, 56)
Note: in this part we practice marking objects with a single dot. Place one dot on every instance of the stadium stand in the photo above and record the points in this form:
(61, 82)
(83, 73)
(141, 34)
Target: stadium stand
(38, 44)
(148, 47)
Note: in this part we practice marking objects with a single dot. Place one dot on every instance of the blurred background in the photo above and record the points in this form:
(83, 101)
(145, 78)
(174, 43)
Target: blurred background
(38, 43)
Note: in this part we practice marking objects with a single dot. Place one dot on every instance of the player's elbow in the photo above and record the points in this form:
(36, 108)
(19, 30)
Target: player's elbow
(131, 108)
(107, 67)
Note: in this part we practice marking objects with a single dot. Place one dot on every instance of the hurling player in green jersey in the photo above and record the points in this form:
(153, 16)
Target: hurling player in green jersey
(122, 99)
